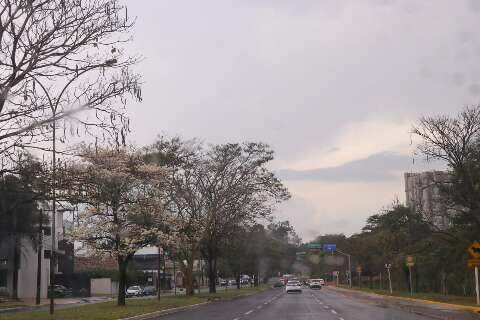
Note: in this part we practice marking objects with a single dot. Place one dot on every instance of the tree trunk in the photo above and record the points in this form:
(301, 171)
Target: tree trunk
(16, 256)
(212, 274)
(237, 278)
(189, 277)
(122, 280)
(16, 266)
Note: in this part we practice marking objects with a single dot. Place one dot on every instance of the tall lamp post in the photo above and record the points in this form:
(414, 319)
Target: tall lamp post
(54, 108)
(349, 266)
(388, 266)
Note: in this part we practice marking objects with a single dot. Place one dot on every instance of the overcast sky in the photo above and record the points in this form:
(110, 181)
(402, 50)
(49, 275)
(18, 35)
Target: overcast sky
(333, 86)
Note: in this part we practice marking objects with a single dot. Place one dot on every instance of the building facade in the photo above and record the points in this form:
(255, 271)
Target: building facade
(27, 253)
(424, 195)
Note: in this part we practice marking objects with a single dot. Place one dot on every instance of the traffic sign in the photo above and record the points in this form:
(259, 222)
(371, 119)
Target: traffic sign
(315, 246)
(474, 250)
(329, 247)
(472, 263)
(410, 261)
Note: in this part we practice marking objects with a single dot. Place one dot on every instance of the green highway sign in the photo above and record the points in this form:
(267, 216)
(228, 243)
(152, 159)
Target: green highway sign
(316, 246)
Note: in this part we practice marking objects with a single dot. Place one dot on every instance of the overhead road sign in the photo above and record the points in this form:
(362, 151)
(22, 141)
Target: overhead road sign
(314, 246)
(329, 247)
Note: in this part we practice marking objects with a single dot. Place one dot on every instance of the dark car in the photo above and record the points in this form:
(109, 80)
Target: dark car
(149, 291)
(278, 284)
(60, 291)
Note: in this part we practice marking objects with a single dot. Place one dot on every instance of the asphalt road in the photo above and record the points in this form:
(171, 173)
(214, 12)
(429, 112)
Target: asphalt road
(325, 304)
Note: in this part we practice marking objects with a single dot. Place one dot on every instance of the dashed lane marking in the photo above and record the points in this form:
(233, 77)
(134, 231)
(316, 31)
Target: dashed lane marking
(248, 312)
(265, 302)
(236, 319)
(333, 311)
(341, 318)
(259, 307)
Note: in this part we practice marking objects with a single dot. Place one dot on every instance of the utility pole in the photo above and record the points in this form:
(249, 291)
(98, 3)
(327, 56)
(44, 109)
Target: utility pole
(174, 276)
(39, 257)
(158, 271)
(476, 284)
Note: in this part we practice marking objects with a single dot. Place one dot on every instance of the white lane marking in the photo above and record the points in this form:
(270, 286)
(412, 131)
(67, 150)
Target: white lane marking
(236, 319)
(326, 307)
(265, 302)
(333, 311)
(320, 302)
(248, 312)
(259, 307)
(341, 318)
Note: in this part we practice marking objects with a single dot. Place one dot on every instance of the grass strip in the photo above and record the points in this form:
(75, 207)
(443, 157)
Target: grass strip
(430, 296)
(109, 310)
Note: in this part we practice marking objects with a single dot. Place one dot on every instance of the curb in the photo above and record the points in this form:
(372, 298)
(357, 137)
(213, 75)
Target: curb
(147, 316)
(446, 304)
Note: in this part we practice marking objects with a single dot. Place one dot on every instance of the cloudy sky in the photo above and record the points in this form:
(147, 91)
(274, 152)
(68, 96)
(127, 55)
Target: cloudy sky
(333, 86)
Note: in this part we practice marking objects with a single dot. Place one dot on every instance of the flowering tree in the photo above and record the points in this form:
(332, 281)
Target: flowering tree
(122, 198)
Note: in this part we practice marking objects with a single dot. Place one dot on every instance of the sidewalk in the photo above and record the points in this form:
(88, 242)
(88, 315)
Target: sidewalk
(30, 305)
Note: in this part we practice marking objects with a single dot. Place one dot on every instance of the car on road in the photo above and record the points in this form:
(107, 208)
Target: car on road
(223, 283)
(315, 284)
(232, 282)
(60, 291)
(322, 282)
(149, 291)
(134, 291)
(293, 286)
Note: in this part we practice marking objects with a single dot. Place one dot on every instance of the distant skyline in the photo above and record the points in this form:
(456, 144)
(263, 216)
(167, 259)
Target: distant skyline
(333, 86)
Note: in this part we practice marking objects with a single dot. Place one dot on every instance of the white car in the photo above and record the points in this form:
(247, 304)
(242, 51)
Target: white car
(293, 286)
(134, 291)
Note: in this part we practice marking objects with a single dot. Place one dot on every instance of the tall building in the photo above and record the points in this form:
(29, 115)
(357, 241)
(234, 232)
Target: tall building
(424, 195)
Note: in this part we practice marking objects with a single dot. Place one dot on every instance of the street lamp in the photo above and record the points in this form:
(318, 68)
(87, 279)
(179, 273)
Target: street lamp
(54, 107)
(349, 266)
(388, 266)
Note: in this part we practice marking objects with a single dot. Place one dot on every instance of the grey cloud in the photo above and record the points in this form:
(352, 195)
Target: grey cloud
(378, 167)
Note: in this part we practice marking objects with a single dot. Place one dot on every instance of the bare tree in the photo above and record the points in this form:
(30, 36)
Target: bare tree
(183, 197)
(456, 140)
(59, 57)
(237, 189)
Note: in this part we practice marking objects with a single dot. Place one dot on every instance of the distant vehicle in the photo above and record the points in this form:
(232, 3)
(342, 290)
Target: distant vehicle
(293, 286)
(288, 277)
(223, 283)
(320, 282)
(134, 291)
(149, 291)
(315, 284)
(244, 281)
(232, 282)
(60, 291)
